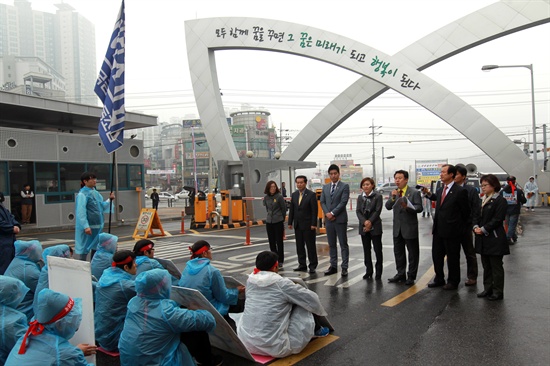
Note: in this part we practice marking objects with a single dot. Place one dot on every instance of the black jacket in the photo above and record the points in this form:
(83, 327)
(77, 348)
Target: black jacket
(493, 242)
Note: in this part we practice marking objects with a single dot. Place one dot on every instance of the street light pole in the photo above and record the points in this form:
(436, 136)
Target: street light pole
(530, 67)
(383, 169)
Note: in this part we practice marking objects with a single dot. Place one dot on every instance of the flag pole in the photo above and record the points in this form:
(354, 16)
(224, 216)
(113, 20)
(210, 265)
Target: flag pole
(112, 185)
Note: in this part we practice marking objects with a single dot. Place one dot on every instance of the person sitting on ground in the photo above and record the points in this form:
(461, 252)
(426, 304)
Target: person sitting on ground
(280, 317)
(104, 256)
(25, 267)
(154, 327)
(144, 250)
(200, 275)
(14, 322)
(46, 341)
(61, 251)
(113, 292)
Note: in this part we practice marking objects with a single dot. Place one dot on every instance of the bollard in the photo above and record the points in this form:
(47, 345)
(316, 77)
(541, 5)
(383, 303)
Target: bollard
(247, 241)
(350, 205)
(182, 222)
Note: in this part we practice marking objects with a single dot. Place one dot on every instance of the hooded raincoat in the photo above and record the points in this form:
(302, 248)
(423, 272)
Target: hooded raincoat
(277, 319)
(90, 208)
(25, 267)
(61, 251)
(51, 347)
(113, 291)
(104, 256)
(200, 275)
(151, 334)
(14, 322)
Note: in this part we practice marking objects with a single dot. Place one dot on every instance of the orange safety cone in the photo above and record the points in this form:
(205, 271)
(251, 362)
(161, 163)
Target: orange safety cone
(182, 231)
(247, 240)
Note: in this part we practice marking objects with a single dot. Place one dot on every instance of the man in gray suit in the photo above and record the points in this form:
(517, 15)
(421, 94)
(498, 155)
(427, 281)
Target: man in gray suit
(334, 199)
(405, 227)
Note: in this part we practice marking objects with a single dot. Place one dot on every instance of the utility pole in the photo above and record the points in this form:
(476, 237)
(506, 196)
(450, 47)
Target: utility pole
(374, 151)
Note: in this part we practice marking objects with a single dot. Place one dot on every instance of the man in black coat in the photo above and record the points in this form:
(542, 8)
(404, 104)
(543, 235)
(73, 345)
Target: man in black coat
(8, 228)
(451, 214)
(155, 199)
(303, 218)
(467, 238)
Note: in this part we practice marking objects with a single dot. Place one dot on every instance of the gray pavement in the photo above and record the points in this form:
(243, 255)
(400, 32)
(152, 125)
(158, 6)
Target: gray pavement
(428, 327)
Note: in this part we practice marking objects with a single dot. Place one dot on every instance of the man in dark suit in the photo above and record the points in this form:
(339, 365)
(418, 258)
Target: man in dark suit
(405, 227)
(467, 237)
(303, 218)
(334, 198)
(451, 214)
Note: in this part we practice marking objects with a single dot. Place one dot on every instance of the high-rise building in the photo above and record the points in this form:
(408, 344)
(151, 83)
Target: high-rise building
(65, 41)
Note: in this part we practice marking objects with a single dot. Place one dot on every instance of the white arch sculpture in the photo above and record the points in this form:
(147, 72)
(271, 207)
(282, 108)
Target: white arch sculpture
(204, 36)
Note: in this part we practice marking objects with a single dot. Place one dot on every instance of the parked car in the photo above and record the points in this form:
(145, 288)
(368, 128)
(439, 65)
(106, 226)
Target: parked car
(386, 188)
(165, 196)
(183, 194)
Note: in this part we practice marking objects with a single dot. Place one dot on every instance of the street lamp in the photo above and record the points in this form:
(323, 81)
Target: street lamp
(530, 67)
(383, 169)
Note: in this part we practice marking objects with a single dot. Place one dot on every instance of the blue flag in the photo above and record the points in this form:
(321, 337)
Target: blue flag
(110, 88)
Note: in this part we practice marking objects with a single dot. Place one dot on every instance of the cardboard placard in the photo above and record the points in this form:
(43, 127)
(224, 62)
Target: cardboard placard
(147, 221)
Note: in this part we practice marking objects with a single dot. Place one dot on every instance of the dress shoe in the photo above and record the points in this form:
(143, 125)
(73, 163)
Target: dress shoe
(312, 270)
(409, 282)
(281, 265)
(494, 297)
(344, 272)
(367, 276)
(330, 271)
(300, 269)
(450, 286)
(470, 282)
(484, 293)
(397, 278)
(436, 284)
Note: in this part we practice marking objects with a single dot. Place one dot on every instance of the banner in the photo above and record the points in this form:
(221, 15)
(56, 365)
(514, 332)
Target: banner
(110, 88)
(428, 171)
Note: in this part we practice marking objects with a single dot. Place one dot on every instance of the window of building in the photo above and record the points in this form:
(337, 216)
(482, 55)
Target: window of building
(122, 176)
(47, 179)
(136, 176)
(70, 176)
(4, 177)
(103, 174)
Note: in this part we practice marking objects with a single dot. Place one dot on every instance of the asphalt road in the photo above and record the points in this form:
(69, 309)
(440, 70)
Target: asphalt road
(380, 323)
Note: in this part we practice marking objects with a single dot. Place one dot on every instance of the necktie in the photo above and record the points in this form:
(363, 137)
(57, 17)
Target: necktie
(400, 193)
(332, 189)
(300, 199)
(444, 193)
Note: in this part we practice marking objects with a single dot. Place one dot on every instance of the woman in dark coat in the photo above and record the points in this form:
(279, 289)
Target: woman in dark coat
(274, 223)
(490, 238)
(8, 228)
(369, 206)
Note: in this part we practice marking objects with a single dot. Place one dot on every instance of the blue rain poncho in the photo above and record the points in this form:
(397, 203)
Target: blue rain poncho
(51, 347)
(14, 322)
(104, 256)
(277, 320)
(90, 208)
(61, 251)
(113, 291)
(200, 275)
(151, 334)
(145, 263)
(25, 267)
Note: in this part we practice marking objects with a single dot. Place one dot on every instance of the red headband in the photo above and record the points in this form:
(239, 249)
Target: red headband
(146, 248)
(199, 251)
(125, 261)
(36, 328)
(256, 270)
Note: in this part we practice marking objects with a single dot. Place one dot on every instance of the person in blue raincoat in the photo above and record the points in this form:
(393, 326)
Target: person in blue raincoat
(90, 208)
(113, 292)
(9, 227)
(46, 341)
(14, 322)
(25, 267)
(104, 255)
(200, 275)
(154, 323)
(144, 250)
(61, 251)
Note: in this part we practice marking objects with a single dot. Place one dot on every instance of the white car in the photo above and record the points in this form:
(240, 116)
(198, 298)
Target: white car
(386, 188)
(165, 196)
(183, 194)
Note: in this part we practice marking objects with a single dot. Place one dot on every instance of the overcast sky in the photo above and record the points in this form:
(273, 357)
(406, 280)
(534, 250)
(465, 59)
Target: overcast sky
(295, 89)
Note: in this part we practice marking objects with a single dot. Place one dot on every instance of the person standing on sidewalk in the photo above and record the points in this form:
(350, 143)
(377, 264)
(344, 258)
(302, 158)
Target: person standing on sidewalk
(27, 196)
(90, 208)
(467, 237)
(515, 198)
(155, 199)
(274, 223)
(531, 192)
